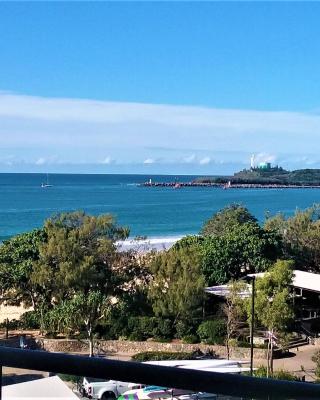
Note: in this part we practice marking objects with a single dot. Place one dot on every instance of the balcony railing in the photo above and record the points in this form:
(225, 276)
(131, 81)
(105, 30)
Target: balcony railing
(197, 381)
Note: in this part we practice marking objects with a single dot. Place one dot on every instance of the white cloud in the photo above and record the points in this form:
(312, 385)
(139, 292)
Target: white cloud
(149, 161)
(41, 161)
(189, 159)
(205, 161)
(48, 160)
(79, 131)
(78, 110)
(107, 160)
(264, 157)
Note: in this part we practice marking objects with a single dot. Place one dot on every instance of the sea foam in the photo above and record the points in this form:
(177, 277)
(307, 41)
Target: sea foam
(148, 244)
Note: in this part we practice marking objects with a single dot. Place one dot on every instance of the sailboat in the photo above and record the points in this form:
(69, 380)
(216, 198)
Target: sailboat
(46, 184)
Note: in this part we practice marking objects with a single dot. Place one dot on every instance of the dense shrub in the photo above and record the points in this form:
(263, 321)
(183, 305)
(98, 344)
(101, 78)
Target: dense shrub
(284, 375)
(69, 378)
(316, 359)
(163, 329)
(190, 339)
(183, 328)
(141, 328)
(188, 241)
(117, 327)
(30, 320)
(212, 331)
(136, 337)
(148, 325)
(82, 335)
(136, 328)
(51, 335)
(261, 372)
(162, 339)
(12, 324)
(162, 355)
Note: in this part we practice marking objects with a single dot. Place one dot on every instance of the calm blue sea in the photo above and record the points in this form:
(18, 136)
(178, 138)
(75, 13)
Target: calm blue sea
(154, 212)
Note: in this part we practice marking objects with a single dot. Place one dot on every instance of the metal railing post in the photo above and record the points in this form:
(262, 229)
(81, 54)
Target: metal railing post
(170, 377)
(0, 382)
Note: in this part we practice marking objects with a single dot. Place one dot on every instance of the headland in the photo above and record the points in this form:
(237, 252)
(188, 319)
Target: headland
(262, 177)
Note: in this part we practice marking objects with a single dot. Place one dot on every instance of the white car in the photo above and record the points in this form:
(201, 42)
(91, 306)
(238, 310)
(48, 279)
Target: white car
(105, 390)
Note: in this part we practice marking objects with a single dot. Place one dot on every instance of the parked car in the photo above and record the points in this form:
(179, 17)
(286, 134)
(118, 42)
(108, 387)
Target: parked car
(161, 393)
(93, 388)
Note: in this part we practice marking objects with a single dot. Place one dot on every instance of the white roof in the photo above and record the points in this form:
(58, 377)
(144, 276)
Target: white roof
(223, 291)
(228, 370)
(205, 363)
(306, 280)
(210, 365)
(301, 279)
(46, 388)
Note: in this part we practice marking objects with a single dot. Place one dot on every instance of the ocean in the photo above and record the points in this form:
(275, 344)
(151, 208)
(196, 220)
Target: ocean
(159, 213)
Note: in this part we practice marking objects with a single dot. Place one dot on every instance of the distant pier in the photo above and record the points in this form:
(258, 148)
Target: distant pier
(177, 185)
(227, 186)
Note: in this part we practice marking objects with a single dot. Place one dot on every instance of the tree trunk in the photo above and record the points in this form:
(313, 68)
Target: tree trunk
(228, 349)
(41, 321)
(7, 328)
(204, 308)
(90, 346)
(271, 355)
(90, 338)
(268, 358)
(32, 300)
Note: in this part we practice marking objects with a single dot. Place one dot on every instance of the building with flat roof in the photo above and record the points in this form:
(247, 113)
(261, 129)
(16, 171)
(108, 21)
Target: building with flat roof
(306, 297)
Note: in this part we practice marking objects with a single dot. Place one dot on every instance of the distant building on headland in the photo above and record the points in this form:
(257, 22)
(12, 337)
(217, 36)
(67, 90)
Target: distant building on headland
(262, 165)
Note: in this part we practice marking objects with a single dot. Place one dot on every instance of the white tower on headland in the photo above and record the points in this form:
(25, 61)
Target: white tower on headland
(252, 161)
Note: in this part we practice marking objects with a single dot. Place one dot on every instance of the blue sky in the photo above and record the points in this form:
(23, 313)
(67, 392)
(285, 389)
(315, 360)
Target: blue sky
(158, 87)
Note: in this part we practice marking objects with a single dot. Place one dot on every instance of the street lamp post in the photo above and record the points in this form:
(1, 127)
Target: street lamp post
(252, 323)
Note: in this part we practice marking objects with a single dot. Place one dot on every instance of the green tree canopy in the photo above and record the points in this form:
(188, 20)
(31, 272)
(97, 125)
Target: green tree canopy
(73, 261)
(273, 301)
(273, 304)
(226, 219)
(235, 312)
(78, 255)
(194, 241)
(82, 310)
(300, 236)
(244, 249)
(17, 256)
(79, 265)
(177, 288)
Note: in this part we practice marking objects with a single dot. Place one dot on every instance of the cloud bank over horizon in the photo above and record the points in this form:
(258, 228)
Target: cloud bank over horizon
(78, 135)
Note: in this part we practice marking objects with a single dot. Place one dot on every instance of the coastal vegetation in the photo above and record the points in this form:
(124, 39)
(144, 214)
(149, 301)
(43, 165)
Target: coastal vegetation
(273, 304)
(235, 314)
(262, 372)
(81, 284)
(164, 355)
(300, 237)
(177, 288)
(226, 219)
(316, 360)
(268, 176)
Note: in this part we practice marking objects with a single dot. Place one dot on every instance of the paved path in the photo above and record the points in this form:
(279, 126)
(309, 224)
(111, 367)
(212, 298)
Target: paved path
(298, 362)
